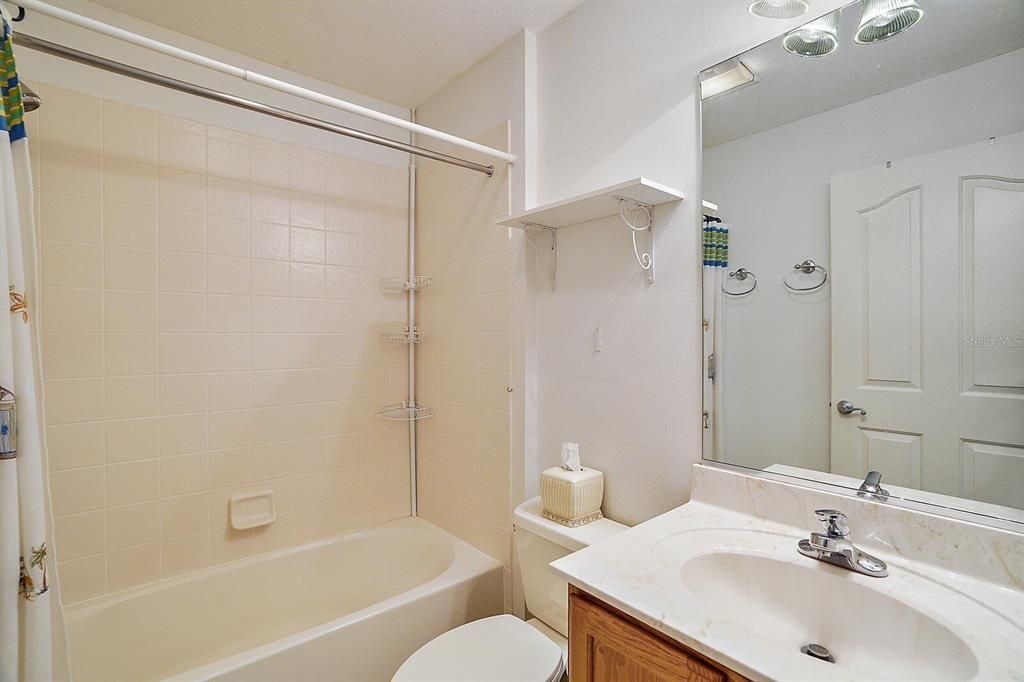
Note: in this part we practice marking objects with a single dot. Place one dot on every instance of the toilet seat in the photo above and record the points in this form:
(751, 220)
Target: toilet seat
(496, 649)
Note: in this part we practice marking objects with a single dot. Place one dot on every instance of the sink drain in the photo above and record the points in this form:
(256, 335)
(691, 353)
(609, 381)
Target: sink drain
(819, 652)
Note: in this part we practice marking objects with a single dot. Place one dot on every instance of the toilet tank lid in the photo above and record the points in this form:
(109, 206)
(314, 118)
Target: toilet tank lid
(528, 517)
(496, 649)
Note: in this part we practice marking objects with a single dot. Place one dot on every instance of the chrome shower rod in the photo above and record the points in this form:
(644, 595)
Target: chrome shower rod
(71, 54)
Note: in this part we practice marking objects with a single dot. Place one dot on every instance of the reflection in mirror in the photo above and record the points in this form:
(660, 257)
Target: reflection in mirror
(864, 269)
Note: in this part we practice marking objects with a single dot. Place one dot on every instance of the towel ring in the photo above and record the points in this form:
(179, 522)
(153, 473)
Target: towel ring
(741, 274)
(807, 267)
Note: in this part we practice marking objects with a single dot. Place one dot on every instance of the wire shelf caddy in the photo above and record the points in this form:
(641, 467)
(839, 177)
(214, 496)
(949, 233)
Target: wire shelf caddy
(400, 285)
(405, 412)
(403, 337)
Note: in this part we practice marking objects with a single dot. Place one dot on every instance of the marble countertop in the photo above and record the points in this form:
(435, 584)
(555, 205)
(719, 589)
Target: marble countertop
(640, 572)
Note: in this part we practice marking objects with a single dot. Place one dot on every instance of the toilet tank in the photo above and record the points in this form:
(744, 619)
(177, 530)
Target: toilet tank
(538, 542)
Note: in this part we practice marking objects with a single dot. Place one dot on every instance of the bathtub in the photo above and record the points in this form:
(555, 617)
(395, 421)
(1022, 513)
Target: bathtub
(350, 607)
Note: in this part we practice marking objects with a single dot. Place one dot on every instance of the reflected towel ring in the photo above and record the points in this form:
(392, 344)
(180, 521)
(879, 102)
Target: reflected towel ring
(741, 274)
(807, 267)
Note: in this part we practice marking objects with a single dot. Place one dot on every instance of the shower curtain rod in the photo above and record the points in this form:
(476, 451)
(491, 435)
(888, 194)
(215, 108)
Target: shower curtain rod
(57, 50)
(258, 78)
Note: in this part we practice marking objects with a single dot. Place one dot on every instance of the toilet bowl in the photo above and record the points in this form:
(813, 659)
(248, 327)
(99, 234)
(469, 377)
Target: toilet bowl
(505, 648)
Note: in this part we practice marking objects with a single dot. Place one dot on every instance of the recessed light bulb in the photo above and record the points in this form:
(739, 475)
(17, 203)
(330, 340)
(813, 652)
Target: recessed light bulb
(814, 39)
(777, 9)
(884, 19)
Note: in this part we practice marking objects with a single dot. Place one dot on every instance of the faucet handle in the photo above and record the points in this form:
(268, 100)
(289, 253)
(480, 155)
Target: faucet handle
(834, 522)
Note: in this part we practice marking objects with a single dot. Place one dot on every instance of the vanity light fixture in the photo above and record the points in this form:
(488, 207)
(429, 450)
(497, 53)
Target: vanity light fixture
(817, 38)
(884, 19)
(778, 9)
(725, 77)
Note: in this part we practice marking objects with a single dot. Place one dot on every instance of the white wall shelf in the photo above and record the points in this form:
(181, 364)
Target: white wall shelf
(594, 205)
(631, 200)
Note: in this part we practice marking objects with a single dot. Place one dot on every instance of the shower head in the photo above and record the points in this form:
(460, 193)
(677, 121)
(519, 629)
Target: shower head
(29, 99)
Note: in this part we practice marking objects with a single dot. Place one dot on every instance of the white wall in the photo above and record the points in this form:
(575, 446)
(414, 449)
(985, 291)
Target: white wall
(469, 478)
(618, 99)
(503, 87)
(772, 189)
(34, 65)
(490, 93)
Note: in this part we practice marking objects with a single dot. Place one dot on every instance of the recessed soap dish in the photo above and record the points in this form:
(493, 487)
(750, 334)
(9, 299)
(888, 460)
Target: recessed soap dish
(252, 510)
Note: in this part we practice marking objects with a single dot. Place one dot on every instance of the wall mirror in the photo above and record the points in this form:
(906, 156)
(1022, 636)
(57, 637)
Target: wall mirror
(863, 179)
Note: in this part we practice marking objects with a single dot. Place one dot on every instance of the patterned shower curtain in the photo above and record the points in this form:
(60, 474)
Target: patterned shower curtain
(29, 609)
(716, 262)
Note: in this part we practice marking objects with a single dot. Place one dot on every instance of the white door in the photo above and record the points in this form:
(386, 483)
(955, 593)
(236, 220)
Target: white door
(928, 321)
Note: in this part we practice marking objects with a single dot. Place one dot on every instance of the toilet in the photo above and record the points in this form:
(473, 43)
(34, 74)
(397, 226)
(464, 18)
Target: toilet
(505, 648)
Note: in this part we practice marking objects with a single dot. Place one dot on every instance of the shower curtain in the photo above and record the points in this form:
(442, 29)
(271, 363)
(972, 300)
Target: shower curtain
(716, 262)
(29, 610)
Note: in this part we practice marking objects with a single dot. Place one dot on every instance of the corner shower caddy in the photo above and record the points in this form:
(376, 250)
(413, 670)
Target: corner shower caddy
(400, 285)
(638, 195)
(407, 410)
(404, 412)
(403, 337)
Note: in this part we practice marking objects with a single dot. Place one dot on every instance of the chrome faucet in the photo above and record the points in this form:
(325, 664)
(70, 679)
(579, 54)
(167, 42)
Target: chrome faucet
(834, 546)
(872, 488)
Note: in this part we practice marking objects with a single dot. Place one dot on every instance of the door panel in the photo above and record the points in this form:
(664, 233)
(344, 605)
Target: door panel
(927, 320)
(891, 253)
(992, 473)
(898, 454)
(993, 285)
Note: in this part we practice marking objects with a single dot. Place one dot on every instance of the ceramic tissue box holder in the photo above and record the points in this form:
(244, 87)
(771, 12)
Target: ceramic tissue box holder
(572, 498)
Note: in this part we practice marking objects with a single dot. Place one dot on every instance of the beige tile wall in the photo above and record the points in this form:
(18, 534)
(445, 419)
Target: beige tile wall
(211, 321)
(463, 362)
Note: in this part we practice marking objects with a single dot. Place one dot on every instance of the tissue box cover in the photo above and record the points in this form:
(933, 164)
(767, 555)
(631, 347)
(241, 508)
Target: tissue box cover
(572, 498)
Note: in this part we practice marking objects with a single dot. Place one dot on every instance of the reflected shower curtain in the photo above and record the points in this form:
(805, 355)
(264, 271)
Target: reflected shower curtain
(716, 262)
(29, 610)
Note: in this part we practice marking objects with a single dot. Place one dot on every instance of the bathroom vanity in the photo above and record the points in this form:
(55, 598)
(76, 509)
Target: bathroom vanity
(717, 589)
(607, 645)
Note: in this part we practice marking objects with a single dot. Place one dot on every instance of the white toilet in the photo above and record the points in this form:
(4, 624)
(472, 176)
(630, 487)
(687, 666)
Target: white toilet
(504, 648)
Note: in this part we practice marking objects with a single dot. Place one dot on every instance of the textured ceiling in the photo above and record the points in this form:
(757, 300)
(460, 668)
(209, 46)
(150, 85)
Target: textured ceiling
(400, 51)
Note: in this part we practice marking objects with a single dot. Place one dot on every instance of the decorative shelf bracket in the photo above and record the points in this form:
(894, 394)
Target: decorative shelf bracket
(552, 248)
(639, 217)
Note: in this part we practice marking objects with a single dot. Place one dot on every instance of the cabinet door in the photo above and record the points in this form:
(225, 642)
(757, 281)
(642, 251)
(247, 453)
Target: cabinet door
(605, 647)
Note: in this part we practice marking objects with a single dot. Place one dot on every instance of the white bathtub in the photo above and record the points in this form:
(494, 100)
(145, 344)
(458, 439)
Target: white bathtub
(351, 607)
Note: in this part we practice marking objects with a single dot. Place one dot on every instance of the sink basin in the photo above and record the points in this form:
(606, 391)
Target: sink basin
(797, 602)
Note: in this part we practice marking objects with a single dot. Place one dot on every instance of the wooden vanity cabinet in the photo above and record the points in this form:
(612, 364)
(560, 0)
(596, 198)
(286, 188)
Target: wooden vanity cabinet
(606, 645)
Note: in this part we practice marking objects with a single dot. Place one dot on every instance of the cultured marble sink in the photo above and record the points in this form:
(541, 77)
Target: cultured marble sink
(733, 587)
(794, 603)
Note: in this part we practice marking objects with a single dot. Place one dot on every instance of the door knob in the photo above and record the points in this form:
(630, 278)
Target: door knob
(846, 407)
